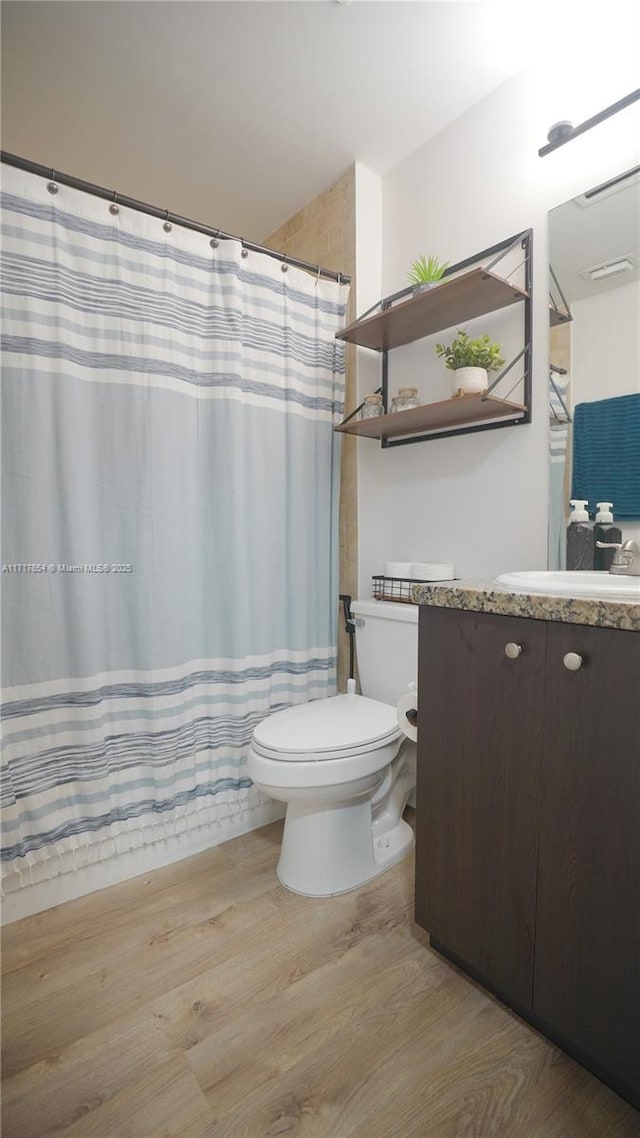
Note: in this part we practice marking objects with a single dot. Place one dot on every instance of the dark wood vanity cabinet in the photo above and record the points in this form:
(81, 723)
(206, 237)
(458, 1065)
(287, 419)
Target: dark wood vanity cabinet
(479, 759)
(528, 823)
(587, 949)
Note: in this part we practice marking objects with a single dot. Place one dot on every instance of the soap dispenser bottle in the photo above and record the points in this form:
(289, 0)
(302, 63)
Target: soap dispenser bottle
(605, 530)
(580, 537)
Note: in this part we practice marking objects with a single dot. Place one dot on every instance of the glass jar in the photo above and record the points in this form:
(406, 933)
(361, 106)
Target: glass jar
(406, 398)
(372, 407)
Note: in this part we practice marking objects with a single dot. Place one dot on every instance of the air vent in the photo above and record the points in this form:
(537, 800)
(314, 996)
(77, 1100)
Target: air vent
(612, 268)
(606, 189)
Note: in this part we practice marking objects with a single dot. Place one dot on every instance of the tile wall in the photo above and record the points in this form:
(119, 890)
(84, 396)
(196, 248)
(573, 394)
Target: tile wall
(323, 232)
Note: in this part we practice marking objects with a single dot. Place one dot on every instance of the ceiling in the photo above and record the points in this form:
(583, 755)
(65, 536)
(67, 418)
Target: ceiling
(583, 236)
(238, 113)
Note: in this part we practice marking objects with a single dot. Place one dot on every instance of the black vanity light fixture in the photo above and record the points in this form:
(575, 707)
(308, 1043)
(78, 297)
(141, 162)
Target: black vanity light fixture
(564, 131)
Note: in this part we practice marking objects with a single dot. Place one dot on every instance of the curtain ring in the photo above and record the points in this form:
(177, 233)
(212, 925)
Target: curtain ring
(114, 208)
(215, 241)
(52, 185)
(318, 276)
(284, 266)
(245, 252)
(167, 224)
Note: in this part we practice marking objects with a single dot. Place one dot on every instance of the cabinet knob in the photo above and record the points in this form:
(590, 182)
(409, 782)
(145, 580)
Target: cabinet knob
(572, 661)
(512, 650)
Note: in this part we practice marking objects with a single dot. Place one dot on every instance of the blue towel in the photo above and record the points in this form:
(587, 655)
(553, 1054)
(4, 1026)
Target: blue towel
(606, 454)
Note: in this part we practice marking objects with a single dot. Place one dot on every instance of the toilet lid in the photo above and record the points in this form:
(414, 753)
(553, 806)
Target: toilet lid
(327, 728)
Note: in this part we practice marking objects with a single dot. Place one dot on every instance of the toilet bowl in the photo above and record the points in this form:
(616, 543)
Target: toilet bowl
(343, 766)
(345, 770)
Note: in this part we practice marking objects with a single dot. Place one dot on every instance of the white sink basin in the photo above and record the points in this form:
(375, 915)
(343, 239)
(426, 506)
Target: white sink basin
(582, 584)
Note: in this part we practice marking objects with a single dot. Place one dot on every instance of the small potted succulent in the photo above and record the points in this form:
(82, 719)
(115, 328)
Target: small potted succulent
(425, 272)
(470, 361)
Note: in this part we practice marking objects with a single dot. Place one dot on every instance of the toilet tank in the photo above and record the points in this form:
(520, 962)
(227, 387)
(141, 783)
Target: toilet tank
(386, 647)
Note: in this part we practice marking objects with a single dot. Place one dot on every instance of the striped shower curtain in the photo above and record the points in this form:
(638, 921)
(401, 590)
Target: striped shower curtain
(559, 467)
(169, 552)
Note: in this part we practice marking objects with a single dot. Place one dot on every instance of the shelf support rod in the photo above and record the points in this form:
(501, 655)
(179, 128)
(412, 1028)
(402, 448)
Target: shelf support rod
(514, 270)
(513, 386)
(562, 296)
(504, 252)
(559, 396)
(504, 372)
(353, 414)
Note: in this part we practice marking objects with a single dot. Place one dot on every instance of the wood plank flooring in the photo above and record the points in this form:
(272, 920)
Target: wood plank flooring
(205, 1001)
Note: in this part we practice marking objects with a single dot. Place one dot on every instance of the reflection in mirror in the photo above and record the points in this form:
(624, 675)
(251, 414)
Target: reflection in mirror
(594, 372)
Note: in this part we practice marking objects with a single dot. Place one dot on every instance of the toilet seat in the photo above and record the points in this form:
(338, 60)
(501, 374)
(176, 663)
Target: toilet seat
(334, 728)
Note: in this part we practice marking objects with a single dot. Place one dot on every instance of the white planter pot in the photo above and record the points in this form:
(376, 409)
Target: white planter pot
(470, 380)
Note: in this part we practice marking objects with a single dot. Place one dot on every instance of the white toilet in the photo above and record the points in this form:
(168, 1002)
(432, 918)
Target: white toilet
(343, 766)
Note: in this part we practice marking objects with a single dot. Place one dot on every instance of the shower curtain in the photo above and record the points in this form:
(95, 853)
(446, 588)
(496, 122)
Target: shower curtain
(559, 461)
(169, 552)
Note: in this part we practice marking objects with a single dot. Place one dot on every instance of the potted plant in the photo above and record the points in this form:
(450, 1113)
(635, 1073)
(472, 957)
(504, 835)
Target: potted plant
(470, 361)
(426, 271)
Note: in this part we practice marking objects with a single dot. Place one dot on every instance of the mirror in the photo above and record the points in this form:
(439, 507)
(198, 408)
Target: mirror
(594, 356)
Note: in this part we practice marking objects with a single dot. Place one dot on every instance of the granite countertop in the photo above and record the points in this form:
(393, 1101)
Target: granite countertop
(487, 596)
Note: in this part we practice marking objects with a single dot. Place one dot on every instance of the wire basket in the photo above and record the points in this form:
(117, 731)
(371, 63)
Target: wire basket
(394, 588)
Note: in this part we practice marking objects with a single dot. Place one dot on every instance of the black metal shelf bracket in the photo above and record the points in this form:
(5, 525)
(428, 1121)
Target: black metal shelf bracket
(565, 312)
(555, 417)
(525, 240)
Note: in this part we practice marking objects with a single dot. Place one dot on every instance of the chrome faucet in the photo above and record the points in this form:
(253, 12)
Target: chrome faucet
(626, 559)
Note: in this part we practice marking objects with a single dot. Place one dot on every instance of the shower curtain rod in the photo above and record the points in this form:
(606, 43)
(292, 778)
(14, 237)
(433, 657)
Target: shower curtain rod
(164, 214)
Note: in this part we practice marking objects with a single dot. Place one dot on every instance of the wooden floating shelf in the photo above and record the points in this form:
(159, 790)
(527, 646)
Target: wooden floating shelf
(461, 411)
(450, 302)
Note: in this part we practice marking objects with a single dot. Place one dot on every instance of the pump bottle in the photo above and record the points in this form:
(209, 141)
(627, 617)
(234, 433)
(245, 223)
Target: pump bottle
(580, 537)
(605, 530)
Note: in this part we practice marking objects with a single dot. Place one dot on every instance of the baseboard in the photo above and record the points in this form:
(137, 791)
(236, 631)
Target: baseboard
(88, 879)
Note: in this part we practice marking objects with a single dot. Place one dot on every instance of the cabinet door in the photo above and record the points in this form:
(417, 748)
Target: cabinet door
(587, 956)
(479, 757)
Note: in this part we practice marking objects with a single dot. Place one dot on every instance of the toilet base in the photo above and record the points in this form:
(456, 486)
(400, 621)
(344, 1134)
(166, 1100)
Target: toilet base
(330, 850)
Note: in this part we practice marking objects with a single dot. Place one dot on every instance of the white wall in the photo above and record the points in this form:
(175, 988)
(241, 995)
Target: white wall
(479, 501)
(605, 344)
